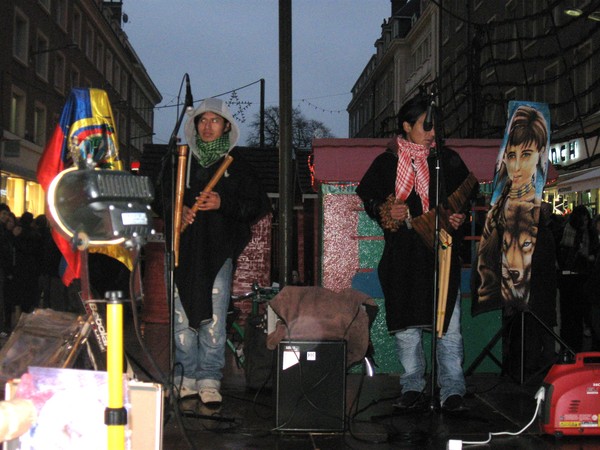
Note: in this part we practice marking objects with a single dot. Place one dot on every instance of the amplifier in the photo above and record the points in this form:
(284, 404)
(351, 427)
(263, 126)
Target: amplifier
(311, 386)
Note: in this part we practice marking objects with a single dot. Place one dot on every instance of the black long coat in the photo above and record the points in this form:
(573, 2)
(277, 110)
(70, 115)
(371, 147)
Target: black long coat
(406, 268)
(216, 235)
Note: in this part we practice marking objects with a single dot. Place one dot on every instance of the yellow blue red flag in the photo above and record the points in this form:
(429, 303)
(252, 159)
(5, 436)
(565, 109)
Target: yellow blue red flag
(85, 131)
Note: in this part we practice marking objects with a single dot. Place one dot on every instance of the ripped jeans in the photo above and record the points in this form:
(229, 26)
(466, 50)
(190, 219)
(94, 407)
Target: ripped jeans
(200, 354)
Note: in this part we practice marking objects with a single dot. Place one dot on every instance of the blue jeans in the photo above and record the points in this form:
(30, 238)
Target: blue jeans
(449, 351)
(200, 354)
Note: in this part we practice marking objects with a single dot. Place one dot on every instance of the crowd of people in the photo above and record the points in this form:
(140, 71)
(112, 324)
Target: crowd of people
(29, 267)
(579, 279)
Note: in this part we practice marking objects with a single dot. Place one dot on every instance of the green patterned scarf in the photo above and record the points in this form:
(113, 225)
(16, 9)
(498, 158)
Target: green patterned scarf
(209, 152)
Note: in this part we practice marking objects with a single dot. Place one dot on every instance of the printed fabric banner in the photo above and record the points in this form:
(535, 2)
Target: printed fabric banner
(85, 133)
(502, 271)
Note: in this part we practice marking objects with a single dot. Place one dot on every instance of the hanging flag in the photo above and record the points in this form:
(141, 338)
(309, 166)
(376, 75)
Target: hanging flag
(502, 273)
(84, 133)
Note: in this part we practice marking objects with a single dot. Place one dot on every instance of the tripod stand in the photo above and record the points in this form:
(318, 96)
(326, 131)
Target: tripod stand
(487, 350)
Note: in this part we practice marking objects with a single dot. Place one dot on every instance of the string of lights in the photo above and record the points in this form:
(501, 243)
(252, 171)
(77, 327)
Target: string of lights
(318, 108)
(241, 106)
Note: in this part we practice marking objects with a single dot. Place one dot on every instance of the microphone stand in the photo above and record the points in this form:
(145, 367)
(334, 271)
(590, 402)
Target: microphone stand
(168, 201)
(440, 198)
(169, 261)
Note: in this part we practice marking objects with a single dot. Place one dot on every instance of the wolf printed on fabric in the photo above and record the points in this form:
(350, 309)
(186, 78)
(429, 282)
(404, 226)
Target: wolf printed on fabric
(503, 266)
(85, 134)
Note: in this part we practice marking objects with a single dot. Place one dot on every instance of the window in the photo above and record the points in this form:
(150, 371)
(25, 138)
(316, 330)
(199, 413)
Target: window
(582, 76)
(551, 89)
(21, 36)
(39, 124)
(73, 77)
(460, 11)
(531, 28)
(553, 17)
(89, 42)
(492, 114)
(59, 72)
(35, 198)
(511, 32)
(41, 56)
(124, 85)
(492, 47)
(117, 77)
(424, 51)
(514, 42)
(511, 94)
(109, 66)
(17, 112)
(22, 195)
(396, 28)
(460, 74)
(61, 13)
(445, 28)
(532, 90)
(99, 62)
(122, 130)
(76, 30)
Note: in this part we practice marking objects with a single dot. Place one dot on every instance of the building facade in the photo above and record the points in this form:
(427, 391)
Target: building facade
(478, 56)
(47, 48)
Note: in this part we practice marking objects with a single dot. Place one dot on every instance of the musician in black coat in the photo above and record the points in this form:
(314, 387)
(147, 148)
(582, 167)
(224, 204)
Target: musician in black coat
(216, 233)
(397, 188)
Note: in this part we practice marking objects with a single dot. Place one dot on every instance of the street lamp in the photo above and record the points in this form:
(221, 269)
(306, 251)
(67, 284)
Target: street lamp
(595, 16)
(573, 12)
(577, 12)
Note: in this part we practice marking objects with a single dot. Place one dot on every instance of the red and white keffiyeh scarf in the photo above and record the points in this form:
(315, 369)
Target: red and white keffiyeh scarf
(412, 171)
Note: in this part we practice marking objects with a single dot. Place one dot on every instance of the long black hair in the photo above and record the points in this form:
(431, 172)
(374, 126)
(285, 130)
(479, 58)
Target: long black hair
(411, 111)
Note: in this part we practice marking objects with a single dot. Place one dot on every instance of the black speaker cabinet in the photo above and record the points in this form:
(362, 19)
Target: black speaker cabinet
(311, 386)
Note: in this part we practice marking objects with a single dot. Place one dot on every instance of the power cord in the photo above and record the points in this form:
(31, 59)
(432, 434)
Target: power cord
(456, 444)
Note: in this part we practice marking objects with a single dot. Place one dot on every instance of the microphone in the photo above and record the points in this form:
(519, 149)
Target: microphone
(189, 100)
(428, 122)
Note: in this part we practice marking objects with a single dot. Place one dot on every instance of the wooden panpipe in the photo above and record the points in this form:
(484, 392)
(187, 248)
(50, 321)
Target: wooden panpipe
(182, 151)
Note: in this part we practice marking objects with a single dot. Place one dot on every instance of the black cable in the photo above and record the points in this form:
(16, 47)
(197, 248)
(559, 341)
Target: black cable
(162, 379)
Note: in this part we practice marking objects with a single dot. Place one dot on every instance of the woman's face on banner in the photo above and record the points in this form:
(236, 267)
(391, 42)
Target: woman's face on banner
(521, 161)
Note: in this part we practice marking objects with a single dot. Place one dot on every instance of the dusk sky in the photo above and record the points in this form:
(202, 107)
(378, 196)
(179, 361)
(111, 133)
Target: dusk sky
(225, 45)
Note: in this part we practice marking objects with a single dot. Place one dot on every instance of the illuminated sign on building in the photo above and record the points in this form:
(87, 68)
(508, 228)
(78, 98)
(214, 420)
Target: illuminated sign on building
(565, 152)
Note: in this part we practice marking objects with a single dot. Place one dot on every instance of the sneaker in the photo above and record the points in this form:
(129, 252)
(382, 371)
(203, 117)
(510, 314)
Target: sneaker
(210, 396)
(187, 392)
(409, 399)
(454, 403)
